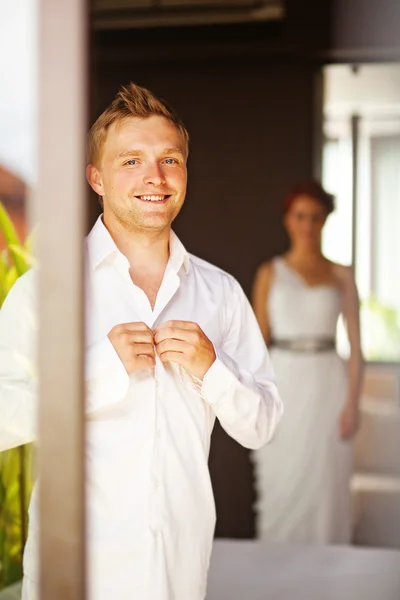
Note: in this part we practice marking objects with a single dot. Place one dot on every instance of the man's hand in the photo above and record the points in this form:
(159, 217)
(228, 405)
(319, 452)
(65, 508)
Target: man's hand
(183, 342)
(134, 344)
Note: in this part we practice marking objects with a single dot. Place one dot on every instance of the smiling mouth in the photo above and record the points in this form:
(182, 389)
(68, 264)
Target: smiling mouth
(154, 197)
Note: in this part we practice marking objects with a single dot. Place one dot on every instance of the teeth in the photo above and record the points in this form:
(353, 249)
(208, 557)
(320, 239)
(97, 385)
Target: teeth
(152, 198)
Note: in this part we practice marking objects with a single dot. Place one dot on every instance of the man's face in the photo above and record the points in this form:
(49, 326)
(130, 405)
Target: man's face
(142, 176)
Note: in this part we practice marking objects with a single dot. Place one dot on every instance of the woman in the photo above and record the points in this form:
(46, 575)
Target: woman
(303, 476)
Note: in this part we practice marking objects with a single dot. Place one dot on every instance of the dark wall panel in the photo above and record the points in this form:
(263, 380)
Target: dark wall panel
(366, 29)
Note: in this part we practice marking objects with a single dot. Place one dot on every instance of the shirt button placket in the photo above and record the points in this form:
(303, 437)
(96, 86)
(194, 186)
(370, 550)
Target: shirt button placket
(155, 495)
(156, 385)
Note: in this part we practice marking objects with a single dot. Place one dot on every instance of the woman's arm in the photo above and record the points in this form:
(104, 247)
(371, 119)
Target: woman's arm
(260, 292)
(351, 314)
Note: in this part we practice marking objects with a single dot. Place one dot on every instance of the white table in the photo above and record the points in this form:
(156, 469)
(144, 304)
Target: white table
(252, 570)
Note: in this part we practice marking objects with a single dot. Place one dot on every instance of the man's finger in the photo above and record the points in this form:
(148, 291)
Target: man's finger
(139, 337)
(134, 326)
(144, 350)
(192, 336)
(176, 357)
(172, 345)
(144, 362)
(170, 333)
(190, 325)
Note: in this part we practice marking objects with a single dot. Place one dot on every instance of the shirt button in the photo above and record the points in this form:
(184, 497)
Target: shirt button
(157, 483)
(156, 532)
(158, 433)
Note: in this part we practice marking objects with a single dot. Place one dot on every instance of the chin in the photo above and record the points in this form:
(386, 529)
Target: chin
(155, 224)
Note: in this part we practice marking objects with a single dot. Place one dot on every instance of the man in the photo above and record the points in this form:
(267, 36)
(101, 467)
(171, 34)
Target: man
(172, 343)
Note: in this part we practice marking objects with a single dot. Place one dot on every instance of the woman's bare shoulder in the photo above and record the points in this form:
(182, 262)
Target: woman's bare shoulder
(265, 271)
(266, 266)
(263, 278)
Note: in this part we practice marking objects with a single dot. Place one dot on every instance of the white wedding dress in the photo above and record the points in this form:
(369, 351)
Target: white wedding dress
(302, 477)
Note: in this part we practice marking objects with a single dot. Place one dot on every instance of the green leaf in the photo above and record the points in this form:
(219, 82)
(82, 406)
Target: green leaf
(3, 293)
(11, 237)
(4, 259)
(30, 241)
(10, 279)
(4, 269)
(13, 572)
(3, 266)
(20, 251)
(2, 498)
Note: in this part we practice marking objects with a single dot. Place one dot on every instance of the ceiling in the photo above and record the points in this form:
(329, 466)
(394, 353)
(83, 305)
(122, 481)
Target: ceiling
(123, 14)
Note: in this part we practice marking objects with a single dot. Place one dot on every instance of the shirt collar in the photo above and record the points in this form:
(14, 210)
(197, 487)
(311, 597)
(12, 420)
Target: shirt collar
(101, 246)
(178, 255)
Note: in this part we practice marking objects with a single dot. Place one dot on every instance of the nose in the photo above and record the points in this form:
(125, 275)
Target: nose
(309, 225)
(154, 175)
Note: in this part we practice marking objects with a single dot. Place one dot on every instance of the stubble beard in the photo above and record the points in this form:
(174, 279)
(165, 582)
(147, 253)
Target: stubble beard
(134, 221)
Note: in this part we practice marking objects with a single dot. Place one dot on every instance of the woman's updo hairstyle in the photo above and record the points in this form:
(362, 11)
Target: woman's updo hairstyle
(313, 189)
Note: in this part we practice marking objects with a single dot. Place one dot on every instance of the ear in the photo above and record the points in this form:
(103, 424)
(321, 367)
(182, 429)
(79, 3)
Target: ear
(93, 176)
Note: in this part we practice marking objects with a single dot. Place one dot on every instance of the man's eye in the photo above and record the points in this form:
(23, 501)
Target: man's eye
(131, 161)
(170, 161)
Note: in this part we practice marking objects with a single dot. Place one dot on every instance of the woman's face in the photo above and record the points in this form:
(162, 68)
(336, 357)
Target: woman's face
(305, 220)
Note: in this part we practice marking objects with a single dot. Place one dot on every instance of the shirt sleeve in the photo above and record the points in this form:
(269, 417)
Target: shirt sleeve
(240, 385)
(18, 377)
(106, 379)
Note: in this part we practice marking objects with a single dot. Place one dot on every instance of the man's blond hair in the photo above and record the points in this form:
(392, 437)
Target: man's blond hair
(131, 101)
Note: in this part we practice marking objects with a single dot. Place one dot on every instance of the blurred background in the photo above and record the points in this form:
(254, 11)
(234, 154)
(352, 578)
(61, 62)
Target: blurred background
(272, 92)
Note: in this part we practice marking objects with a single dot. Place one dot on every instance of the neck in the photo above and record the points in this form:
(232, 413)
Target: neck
(145, 250)
(301, 252)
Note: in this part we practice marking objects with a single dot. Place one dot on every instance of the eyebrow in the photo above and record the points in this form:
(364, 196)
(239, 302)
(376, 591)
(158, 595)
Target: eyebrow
(131, 152)
(172, 151)
(140, 153)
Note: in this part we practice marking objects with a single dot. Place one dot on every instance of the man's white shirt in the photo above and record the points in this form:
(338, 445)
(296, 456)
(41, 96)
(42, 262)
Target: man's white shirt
(150, 507)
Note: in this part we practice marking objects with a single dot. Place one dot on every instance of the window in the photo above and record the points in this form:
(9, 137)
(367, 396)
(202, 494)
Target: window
(365, 230)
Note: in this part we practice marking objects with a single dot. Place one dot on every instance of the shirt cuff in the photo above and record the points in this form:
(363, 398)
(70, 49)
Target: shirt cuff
(217, 381)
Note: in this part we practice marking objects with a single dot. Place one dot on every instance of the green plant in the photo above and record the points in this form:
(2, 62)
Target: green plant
(381, 331)
(16, 465)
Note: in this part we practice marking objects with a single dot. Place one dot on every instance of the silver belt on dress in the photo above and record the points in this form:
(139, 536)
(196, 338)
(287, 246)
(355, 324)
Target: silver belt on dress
(306, 345)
